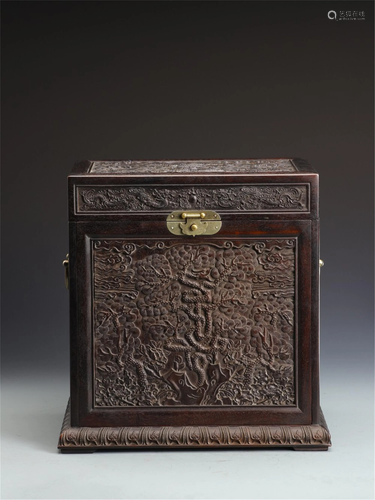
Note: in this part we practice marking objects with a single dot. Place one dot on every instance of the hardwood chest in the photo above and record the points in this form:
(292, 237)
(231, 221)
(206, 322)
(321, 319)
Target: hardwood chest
(194, 305)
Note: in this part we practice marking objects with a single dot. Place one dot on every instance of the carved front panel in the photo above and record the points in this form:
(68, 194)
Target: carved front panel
(183, 323)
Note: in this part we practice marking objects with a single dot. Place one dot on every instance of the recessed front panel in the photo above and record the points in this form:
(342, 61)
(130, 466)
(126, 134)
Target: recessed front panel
(183, 323)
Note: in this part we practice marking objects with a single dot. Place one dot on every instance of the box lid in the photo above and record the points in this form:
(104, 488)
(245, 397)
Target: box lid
(281, 187)
(192, 167)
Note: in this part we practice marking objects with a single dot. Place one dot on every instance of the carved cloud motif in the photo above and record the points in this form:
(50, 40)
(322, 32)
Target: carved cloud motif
(194, 324)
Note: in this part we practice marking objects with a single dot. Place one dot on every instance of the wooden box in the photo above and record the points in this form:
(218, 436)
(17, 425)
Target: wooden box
(194, 305)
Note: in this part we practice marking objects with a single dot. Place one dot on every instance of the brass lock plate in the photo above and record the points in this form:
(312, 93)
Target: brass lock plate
(193, 223)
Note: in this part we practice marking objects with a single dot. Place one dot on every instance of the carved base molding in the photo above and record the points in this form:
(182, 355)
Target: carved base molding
(314, 437)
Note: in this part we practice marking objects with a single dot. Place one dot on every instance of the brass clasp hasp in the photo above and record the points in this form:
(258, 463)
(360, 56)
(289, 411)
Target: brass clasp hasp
(192, 223)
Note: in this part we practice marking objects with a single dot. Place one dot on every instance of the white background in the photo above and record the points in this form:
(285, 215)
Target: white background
(34, 469)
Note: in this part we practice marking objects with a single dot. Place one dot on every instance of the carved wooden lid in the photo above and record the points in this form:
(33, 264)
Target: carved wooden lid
(278, 186)
(193, 167)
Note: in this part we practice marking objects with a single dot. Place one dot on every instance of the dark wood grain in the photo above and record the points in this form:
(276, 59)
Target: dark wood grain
(313, 437)
(282, 210)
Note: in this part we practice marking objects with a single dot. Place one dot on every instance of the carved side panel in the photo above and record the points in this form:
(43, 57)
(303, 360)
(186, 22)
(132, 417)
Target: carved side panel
(266, 198)
(194, 324)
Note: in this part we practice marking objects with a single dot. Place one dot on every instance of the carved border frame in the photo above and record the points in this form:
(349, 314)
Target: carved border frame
(147, 190)
(90, 439)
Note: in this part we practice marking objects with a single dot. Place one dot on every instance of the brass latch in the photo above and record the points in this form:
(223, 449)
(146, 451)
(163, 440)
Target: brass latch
(65, 263)
(193, 223)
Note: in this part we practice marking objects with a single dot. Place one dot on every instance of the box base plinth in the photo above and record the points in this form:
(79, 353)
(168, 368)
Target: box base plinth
(315, 437)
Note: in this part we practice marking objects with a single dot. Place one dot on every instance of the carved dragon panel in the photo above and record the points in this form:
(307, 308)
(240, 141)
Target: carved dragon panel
(266, 197)
(194, 324)
(191, 166)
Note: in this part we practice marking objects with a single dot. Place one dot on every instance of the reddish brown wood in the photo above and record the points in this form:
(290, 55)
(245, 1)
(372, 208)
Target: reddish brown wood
(133, 208)
(314, 437)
